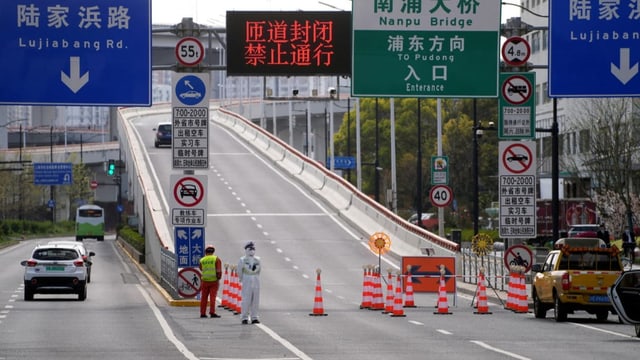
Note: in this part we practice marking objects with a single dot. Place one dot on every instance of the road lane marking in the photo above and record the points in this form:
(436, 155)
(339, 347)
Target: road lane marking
(607, 331)
(500, 351)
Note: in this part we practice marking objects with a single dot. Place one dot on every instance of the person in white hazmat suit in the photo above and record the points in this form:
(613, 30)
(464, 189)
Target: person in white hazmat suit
(249, 276)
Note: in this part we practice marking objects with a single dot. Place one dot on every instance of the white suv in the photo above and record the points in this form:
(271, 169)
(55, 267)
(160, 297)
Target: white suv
(87, 255)
(55, 269)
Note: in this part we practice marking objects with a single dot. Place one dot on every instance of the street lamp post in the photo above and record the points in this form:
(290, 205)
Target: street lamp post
(478, 131)
(377, 162)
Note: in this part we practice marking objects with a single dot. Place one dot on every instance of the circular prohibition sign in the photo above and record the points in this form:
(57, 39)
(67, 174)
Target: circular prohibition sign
(189, 282)
(190, 51)
(519, 255)
(516, 89)
(441, 195)
(517, 158)
(188, 188)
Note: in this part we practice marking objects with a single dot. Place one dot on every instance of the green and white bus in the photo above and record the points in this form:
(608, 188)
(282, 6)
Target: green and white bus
(89, 222)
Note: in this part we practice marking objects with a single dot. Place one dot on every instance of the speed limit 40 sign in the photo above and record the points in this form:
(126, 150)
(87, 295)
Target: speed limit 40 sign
(189, 51)
(441, 195)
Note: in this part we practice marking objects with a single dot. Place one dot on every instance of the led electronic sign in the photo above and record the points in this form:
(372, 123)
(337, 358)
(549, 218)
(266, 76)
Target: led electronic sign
(288, 43)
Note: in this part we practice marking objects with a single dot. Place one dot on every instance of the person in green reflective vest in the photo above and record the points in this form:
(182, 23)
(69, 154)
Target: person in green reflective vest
(211, 269)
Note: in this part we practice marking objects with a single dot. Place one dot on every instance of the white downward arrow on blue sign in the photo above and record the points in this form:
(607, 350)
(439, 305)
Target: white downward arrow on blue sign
(624, 73)
(74, 81)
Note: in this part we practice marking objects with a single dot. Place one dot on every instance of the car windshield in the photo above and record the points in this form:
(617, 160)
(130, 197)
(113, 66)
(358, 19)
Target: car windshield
(164, 128)
(55, 254)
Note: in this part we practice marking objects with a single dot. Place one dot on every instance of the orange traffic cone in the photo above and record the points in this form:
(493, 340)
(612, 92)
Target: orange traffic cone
(483, 305)
(408, 294)
(397, 301)
(443, 305)
(388, 309)
(318, 308)
(232, 290)
(378, 300)
(225, 288)
(366, 289)
(522, 304)
(510, 305)
(235, 292)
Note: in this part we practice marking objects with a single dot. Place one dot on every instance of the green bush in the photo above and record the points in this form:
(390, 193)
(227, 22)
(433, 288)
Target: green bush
(131, 236)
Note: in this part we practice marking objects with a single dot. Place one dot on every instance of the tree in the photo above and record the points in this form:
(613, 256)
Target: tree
(456, 141)
(607, 134)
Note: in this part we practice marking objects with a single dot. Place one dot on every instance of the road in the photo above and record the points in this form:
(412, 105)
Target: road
(126, 317)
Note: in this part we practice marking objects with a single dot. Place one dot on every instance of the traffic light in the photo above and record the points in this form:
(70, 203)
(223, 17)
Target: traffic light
(111, 167)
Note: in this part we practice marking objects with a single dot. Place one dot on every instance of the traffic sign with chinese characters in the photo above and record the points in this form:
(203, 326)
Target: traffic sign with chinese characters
(439, 170)
(52, 173)
(426, 49)
(593, 48)
(188, 200)
(190, 121)
(189, 242)
(94, 52)
(517, 189)
(516, 106)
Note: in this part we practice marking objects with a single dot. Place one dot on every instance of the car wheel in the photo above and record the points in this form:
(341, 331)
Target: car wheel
(28, 294)
(602, 315)
(538, 308)
(78, 238)
(559, 311)
(638, 331)
(82, 293)
(100, 238)
(156, 144)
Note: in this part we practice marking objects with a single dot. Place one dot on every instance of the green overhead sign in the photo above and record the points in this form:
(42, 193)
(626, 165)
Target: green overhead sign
(426, 49)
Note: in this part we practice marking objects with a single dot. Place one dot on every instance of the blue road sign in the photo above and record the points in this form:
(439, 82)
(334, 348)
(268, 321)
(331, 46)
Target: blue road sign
(342, 162)
(593, 48)
(189, 245)
(84, 52)
(52, 173)
(190, 90)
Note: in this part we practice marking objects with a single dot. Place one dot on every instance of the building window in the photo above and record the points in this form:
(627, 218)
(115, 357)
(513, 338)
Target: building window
(545, 39)
(545, 93)
(535, 42)
(585, 141)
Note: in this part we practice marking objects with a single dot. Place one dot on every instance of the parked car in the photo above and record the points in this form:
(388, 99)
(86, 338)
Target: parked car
(87, 256)
(429, 220)
(625, 298)
(163, 134)
(55, 269)
(584, 230)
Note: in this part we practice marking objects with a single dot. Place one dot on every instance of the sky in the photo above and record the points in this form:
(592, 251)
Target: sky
(212, 12)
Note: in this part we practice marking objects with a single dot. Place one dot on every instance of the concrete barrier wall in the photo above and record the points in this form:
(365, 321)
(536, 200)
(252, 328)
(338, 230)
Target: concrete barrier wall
(148, 206)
